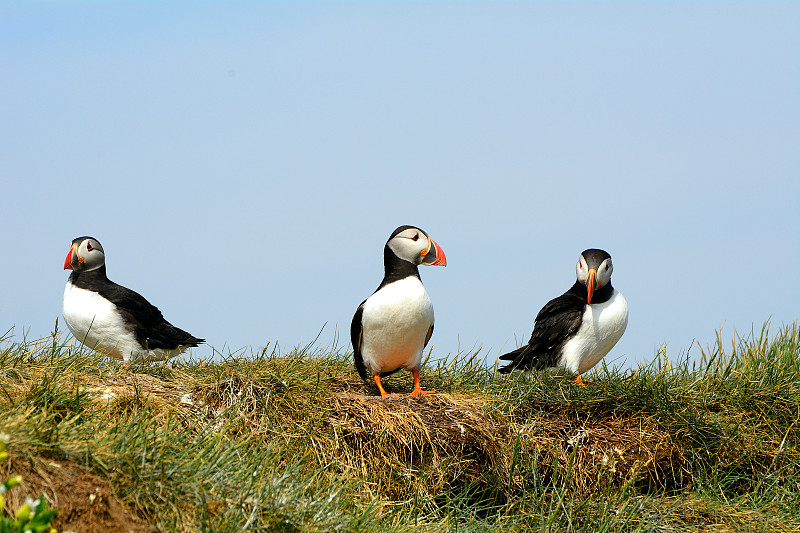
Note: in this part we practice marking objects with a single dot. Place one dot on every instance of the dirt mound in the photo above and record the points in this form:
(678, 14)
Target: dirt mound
(122, 392)
(606, 450)
(85, 502)
(437, 441)
(453, 440)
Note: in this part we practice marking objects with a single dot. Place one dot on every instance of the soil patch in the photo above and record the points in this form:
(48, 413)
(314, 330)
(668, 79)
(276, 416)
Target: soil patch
(85, 501)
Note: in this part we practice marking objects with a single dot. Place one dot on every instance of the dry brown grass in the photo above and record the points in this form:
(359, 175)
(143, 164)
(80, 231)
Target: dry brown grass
(606, 451)
(433, 441)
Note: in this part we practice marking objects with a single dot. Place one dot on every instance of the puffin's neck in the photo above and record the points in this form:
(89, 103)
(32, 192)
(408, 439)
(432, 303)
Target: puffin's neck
(601, 295)
(395, 269)
(89, 278)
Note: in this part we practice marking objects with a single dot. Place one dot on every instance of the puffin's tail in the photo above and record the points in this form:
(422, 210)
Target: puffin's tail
(195, 342)
(510, 356)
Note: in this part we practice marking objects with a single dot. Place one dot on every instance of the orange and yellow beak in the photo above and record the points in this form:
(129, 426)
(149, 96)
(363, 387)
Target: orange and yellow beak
(73, 259)
(590, 284)
(433, 255)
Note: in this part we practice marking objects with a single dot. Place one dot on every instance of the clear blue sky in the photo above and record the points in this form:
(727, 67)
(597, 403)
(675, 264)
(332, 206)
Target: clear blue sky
(243, 163)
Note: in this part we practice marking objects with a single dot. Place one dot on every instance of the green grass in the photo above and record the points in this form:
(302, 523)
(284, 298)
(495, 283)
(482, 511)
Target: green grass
(288, 440)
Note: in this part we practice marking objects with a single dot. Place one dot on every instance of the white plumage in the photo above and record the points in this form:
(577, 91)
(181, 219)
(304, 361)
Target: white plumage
(396, 321)
(96, 323)
(601, 327)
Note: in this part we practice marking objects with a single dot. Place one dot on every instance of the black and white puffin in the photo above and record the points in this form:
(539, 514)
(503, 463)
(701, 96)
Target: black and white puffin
(112, 319)
(577, 329)
(392, 327)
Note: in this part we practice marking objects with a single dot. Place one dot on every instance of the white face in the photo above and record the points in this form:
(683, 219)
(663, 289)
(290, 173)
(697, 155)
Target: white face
(411, 244)
(92, 254)
(603, 275)
(604, 272)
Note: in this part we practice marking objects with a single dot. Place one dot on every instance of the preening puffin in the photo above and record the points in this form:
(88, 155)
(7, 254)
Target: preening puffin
(577, 329)
(112, 319)
(392, 327)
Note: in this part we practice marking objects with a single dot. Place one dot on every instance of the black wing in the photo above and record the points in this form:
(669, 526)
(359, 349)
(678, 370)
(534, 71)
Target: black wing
(355, 338)
(558, 320)
(149, 326)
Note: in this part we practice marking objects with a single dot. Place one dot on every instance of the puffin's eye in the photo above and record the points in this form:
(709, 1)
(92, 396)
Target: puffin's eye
(89, 246)
(415, 237)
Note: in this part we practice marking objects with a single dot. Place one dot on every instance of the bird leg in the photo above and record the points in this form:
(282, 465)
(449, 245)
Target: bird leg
(580, 382)
(417, 389)
(377, 377)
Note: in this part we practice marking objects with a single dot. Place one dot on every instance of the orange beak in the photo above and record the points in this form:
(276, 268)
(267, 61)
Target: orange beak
(590, 284)
(435, 256)
(73, 252)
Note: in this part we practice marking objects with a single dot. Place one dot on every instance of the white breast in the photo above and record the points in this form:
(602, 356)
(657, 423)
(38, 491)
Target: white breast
(602, 326)
(94, 321)
(395, 322)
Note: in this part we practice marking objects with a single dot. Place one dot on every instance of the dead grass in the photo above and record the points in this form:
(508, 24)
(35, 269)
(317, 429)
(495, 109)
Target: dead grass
(606, 451)
(430, 443)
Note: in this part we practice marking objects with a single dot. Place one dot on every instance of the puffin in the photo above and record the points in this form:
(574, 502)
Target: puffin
(392, 327)
(111, 319)
(577, 329)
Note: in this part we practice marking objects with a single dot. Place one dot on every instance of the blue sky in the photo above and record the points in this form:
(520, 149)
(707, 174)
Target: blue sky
(243, 163)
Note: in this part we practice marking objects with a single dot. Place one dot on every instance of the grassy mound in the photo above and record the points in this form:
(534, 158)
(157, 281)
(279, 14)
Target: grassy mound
(297, 442)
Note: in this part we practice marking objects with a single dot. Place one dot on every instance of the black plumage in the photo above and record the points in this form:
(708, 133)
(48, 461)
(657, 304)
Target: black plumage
(149, 327)
(355, 338)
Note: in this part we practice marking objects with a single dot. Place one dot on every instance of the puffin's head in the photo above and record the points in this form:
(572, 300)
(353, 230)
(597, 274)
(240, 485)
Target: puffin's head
(594, 270)
(413, 245)
(85, 254)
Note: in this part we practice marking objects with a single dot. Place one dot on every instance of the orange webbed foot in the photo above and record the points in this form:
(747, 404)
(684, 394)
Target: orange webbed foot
(417, 388)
